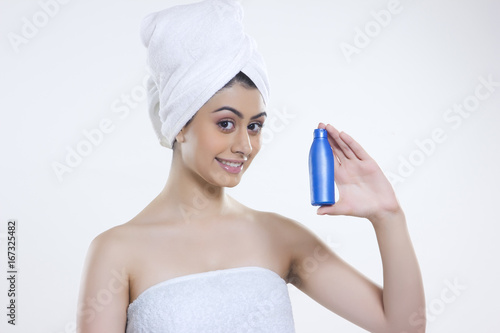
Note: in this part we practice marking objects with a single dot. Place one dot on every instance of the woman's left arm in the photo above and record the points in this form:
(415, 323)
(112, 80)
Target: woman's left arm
(365, 192)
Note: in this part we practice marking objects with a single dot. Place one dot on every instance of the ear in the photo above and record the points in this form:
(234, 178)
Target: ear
(180, 136)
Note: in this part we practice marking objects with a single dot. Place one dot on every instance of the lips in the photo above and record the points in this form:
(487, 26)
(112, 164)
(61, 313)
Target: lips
(231, 166)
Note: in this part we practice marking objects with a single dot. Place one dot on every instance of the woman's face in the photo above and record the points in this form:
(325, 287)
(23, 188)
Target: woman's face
(224, 136)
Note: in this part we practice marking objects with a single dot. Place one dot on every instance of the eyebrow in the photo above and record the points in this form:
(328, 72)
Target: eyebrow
(238, 113)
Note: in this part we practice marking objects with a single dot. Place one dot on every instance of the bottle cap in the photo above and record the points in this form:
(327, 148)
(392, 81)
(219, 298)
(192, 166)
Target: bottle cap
(320, 133)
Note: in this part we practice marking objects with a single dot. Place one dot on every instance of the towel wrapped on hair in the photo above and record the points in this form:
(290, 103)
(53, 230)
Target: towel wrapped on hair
(192, 52)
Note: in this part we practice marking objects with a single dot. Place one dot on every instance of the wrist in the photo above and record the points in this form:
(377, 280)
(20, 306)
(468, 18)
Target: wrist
(388, 217)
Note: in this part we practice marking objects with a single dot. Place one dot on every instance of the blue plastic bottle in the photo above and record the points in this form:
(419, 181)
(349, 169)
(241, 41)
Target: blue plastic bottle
(321, 170)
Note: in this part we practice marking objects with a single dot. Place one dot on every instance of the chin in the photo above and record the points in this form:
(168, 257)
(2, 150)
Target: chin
(232, 185)
(226, 180)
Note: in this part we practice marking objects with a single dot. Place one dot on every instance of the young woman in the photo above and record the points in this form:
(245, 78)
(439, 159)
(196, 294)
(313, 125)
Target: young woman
(197, 260)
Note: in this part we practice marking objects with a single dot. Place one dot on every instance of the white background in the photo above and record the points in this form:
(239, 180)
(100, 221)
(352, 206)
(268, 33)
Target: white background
(67, 76)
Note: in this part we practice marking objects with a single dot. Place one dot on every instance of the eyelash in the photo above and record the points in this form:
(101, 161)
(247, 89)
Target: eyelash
(259, 124)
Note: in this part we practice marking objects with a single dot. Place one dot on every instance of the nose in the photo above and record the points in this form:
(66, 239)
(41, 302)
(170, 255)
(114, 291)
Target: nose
(242, 144)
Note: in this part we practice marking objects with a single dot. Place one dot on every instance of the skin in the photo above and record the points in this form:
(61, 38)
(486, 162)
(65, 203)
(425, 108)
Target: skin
(193, 226)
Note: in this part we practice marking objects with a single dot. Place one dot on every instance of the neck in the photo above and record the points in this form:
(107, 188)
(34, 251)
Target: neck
(190, 197)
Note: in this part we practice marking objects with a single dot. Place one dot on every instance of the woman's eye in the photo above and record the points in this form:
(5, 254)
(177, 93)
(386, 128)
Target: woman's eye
(255, 127)
(226, 125)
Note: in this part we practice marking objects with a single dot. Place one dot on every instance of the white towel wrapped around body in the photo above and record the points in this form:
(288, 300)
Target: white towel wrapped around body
(193, 51)
(234, 300)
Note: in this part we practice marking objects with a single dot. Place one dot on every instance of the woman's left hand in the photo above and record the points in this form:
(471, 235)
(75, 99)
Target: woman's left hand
(364, 190)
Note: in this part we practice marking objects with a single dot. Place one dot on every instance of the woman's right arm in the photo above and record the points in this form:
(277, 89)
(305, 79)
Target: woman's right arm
(104, 289)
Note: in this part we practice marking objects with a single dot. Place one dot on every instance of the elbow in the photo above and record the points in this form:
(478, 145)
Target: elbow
(406, 329)
(415, 323)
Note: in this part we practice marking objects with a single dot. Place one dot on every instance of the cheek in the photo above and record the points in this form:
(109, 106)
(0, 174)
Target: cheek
(213, 142)
(204, 143)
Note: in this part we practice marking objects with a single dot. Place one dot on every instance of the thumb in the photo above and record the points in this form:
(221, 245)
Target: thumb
(341, 207)
(329, 210)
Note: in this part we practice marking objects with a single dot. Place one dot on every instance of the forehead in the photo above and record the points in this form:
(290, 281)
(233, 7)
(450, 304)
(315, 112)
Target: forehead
(248, 101)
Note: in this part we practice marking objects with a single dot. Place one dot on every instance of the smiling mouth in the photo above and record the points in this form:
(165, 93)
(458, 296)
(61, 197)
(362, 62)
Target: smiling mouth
(230, 166)
(230, 163)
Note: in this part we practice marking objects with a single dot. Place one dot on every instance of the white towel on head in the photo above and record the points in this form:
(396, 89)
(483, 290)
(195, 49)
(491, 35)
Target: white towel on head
(193, 51)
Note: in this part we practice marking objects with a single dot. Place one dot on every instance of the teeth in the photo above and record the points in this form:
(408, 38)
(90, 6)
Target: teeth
(231, 164)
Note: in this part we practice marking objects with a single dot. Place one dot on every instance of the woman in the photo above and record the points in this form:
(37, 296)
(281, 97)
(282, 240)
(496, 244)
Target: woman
(195, 259)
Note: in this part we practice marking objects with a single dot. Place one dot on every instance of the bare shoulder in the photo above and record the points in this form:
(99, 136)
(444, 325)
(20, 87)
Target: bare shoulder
(113, 238)
(286, 226)
(112, 246)
(301, 237)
